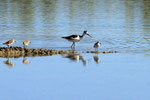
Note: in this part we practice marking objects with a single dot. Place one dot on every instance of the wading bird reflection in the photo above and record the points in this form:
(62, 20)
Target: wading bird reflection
(25, 61)
(96, 59)
(76, 57)
(9, 63)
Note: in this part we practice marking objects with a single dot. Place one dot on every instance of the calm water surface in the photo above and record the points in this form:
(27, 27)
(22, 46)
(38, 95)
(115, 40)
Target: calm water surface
(116, 77)
(121, 25)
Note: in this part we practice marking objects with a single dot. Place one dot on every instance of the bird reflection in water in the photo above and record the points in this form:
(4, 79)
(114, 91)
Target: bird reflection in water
(9, 63)
(76, 57)
(25, 61)
(96, 59)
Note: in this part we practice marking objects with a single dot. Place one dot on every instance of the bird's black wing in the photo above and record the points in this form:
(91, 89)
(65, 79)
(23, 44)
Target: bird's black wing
(71, 36)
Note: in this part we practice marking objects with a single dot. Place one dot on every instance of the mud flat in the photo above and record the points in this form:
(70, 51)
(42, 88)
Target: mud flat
(14, 52)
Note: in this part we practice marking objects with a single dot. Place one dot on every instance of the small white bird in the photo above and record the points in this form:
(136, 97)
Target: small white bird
(96, 45)
(26, 43)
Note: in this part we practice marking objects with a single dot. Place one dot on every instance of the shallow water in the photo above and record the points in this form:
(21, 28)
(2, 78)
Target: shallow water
(120, 25)
(115, 76)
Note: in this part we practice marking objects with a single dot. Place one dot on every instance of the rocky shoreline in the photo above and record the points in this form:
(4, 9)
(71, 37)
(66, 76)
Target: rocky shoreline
(15, 52)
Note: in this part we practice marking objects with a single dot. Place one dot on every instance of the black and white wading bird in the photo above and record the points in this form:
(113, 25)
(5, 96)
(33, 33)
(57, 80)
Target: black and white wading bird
(76, 38)
(96, 45)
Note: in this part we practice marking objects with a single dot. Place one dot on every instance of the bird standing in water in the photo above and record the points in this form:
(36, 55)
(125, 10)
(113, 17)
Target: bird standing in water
(96, 45)
(10, 42)
(26, 43)
(76, 38)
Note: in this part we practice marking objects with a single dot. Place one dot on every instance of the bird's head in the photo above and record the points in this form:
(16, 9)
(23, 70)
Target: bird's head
(13, 40)
(86, 33)
(99, 42)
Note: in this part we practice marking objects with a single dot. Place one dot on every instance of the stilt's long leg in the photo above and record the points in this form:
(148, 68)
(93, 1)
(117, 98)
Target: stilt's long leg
(96, 49)
(72, 45)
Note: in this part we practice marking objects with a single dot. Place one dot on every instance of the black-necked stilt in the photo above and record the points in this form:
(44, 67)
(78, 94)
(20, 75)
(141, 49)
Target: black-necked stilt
(10, 42)
(76, 38)
(26, 43)
(97, 44)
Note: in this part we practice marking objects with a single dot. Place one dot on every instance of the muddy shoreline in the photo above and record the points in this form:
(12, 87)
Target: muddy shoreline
(15, 52)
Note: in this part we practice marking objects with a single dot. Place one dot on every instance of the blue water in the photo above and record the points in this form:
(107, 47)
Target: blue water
(120, 25)
(117, 76)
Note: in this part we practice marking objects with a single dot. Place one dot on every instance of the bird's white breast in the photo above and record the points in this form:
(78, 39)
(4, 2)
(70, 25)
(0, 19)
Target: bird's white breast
(76, 38)
(96, 45)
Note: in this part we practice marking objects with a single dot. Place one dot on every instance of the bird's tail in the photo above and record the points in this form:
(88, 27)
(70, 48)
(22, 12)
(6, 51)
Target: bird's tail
(63, 37)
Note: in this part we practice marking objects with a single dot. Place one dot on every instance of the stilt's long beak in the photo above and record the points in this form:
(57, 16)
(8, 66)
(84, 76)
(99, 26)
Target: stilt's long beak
(89, 35)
